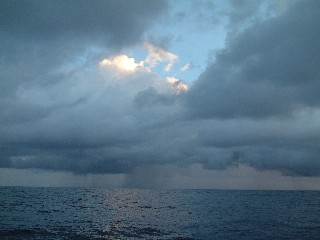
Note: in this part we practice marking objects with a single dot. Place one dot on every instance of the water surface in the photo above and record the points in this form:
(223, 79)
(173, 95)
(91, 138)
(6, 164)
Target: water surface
(83, 213)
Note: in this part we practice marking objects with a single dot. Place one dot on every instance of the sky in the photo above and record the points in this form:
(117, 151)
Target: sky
(160, 94)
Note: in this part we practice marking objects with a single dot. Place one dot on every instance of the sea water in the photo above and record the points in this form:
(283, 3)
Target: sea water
(84, 213)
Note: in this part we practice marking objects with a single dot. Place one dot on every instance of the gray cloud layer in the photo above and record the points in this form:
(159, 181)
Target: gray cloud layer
(257, 104)
(117, 22)
(39, 37)
(270, 69)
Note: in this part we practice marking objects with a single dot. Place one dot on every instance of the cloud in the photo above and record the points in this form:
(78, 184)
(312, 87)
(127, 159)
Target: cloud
(47, 41)
(257, 99)
(241, 14)
(73, 101)
(178, 85)
(270, 69)
(150, 97)
(163, 176)
(42, 178)
(102, 20)
(185, 67)
(235, 177)
(60, 102)
(157, 55)
(123, 63)
(91, 121)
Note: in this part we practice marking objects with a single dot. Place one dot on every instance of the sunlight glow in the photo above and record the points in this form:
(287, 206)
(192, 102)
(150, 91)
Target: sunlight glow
(123, 63)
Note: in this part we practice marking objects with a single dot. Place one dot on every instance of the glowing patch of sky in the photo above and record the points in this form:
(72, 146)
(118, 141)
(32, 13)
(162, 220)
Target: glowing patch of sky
(191, 36)
(192, 30)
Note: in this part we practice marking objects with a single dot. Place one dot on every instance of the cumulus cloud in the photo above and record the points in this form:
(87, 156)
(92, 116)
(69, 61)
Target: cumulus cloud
(122, 63)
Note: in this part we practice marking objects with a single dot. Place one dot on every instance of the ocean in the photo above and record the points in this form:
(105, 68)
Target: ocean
(93, 213)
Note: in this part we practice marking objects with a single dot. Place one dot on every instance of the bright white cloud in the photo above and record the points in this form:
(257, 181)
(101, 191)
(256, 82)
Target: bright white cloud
(157, 55)
(123, 63)
(128, 66)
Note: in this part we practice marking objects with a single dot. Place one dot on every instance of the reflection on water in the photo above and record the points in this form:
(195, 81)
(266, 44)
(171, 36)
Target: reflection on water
(79, 213)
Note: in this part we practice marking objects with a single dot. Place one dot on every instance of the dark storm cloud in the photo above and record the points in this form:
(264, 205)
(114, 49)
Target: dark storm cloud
(270, 69)
(260, 92)
(51, 114)
(150, 97)
(53, 19)
(242, 12)
(38, 38)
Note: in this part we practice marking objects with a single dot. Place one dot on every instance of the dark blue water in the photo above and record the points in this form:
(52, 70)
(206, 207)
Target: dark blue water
(80, 213)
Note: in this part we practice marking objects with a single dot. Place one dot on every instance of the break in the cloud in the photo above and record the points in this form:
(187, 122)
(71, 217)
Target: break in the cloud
(157, 55)
(186, 67)
(75, 98)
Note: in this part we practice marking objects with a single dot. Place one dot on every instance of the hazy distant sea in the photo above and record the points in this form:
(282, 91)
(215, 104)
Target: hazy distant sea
(81, 213)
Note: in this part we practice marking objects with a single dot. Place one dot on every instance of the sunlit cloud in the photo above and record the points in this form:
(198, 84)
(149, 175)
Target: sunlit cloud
(177, 84)
(122, 63)
(157, 55)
